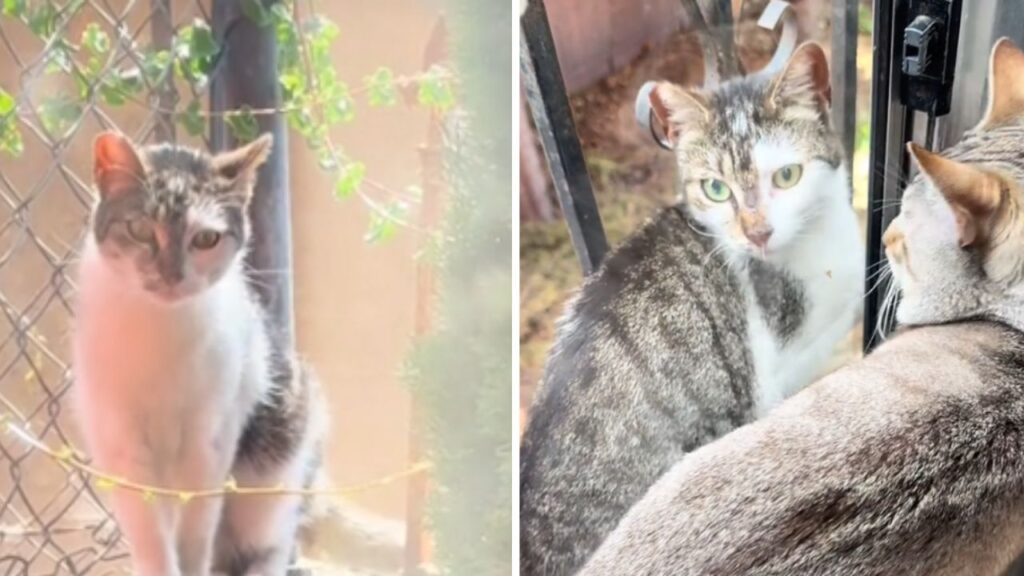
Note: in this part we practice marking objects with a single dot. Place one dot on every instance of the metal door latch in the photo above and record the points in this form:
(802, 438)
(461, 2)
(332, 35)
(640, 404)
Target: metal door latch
(929, 55)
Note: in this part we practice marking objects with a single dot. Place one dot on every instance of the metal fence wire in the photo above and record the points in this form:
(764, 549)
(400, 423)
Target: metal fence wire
(69, 70)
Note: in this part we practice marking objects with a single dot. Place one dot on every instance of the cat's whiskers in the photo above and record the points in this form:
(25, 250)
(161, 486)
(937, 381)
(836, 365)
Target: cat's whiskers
(719, 248)
(698, 230)
(886, 313)
(881, 276)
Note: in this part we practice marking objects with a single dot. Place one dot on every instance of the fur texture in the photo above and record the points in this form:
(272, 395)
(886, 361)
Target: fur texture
(178, 381)
(910, 461)
(709, 315)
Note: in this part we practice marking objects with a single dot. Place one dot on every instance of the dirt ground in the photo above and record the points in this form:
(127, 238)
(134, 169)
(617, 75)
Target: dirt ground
(632, 179)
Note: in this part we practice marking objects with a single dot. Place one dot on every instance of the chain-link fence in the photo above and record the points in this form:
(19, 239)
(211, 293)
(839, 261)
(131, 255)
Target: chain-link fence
(68, 70)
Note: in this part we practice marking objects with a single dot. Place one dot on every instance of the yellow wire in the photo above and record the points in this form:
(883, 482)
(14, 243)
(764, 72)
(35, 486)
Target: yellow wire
(68, 457)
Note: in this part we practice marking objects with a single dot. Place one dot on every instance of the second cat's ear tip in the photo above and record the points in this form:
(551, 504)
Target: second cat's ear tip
(1005, 43)
(264, 142)
(810, 46)
(917, 152)
(1005, 48)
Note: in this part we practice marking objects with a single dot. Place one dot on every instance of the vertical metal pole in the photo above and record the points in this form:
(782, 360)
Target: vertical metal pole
(890, 127)
(552, 115)
(247, 76)
(722, 31)
(162, 29)
(844, 73)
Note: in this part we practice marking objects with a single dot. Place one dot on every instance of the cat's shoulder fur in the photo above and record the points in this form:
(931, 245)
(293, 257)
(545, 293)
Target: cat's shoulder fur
(895, 465)
(618, 402)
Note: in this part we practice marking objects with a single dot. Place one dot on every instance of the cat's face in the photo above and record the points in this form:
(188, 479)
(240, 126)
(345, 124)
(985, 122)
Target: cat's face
(957, 247)
(757, 158)
(172, 221)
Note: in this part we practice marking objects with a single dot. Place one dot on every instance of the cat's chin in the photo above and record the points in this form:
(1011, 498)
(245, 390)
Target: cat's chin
(170, 296)
(773, 254)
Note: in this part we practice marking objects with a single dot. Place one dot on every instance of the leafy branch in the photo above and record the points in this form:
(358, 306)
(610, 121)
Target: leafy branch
(115, 71)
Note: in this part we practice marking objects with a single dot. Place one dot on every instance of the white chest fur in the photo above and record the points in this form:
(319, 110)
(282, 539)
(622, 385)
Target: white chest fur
(829, 263)
(161, 384)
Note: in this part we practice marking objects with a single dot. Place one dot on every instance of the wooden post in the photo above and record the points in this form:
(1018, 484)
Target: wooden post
(417, 546)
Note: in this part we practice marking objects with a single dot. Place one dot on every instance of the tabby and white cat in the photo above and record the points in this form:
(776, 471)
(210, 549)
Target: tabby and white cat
(179, 381)
(712, 313)
(911, 461)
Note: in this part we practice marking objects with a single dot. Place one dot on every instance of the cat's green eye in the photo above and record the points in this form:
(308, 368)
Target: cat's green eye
(715, 190)
(787, 176)
(205, 239)
(141, 230)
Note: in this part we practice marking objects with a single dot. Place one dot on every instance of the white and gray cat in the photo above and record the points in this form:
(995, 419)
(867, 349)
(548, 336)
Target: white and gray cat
(910, 461)
(179, 381)
(708, 316)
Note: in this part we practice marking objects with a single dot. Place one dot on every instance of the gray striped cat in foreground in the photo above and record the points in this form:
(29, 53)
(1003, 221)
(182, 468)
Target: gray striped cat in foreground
(911, 461)
(709, 315)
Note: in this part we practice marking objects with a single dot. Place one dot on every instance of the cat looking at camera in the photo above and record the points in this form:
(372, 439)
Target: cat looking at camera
(711, 314)
(179, 382)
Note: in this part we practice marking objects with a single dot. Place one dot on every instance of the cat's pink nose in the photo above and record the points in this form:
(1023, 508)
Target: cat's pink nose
(760, 235)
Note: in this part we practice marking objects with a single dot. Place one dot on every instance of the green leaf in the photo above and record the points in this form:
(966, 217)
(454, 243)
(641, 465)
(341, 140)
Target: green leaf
(293, 82)
(327, 160)
(156, 65)
(383, 227)
(381, 85)
(435, 89)
(10, 136)
(201, 42)
(15, 8)
(339, 109)
(192, 120)
(112, 94)
(7, 103)
(58, 58)
(42, 20)
(196, 51)
(287, 36)
(256, 12)
(349, 179)
(58, 114)
(95, 39)
(243, 125)
(320, 31)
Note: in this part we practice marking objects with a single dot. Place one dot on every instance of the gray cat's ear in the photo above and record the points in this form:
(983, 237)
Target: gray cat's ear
(974, 194)
(1005, 84)
(678, 109)
(240, 165)
(117, 169)
(804, 81)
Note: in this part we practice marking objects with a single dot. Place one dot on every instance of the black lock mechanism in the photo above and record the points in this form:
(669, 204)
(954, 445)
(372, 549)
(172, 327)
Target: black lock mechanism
(929, 55)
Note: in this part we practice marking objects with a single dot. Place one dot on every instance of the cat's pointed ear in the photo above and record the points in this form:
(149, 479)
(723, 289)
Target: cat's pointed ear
(117, 169)
(973, 194)
(240, 165)
(1005, 84)
(804, 80)
(678, 109)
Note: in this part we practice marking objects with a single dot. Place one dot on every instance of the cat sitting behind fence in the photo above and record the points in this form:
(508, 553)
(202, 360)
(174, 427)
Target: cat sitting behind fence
(179, 381)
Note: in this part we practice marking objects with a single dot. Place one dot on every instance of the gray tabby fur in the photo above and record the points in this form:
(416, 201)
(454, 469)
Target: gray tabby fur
(653, 358)
(910, 461)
